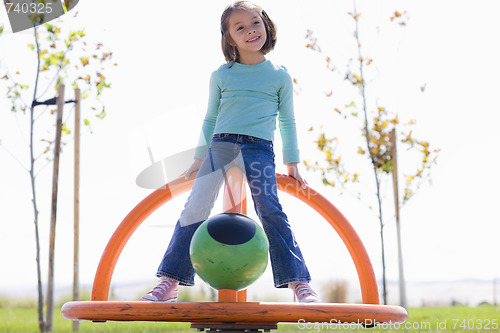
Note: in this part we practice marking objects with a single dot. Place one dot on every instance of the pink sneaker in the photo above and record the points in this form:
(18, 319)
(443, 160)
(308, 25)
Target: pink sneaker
(165, 291)
(303, 292)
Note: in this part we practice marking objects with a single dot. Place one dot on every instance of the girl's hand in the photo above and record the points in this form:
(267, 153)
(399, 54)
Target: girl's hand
(293, 171)
(193, 168)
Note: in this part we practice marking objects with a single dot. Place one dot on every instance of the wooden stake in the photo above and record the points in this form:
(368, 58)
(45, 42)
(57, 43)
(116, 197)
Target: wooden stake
(53, 215)
(402, 288)
(76, 227)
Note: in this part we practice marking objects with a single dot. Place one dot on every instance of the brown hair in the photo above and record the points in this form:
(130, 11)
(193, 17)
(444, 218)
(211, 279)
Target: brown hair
(231, 52)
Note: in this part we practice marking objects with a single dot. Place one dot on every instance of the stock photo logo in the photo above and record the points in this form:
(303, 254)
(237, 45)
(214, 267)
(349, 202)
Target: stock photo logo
(26, 14)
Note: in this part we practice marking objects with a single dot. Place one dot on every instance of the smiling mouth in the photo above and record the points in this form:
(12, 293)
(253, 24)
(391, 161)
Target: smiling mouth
(253, 39)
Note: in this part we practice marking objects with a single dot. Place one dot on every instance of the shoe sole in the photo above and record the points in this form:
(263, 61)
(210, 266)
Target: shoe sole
(171, 300)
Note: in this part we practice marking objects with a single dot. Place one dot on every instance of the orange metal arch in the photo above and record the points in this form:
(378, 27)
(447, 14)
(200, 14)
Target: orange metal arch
(146, 207)
(339, 222)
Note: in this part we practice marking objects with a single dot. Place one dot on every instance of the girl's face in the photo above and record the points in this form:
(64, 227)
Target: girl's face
(248, 32)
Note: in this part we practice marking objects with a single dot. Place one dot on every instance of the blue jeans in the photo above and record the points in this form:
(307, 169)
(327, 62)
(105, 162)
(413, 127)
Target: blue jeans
(256, 157)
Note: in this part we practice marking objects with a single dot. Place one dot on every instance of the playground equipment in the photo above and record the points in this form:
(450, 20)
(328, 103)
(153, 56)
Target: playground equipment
(232, 313)
(229, 251)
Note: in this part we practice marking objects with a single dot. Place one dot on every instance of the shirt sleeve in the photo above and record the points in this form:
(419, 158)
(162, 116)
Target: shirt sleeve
(286, 120)
(208, 126)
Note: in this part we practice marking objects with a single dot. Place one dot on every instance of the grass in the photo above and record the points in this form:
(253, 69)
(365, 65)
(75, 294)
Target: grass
(432, 320)
(21, 320)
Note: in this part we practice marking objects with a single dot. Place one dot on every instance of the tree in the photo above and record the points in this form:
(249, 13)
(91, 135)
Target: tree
(61, 55)
(377, 124)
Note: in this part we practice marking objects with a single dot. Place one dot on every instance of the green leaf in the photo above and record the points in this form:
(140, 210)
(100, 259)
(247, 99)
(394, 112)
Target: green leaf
(65, 130)
(102, 114)
(86, 122)
(31, 46)
(50, 28)
(85, 61)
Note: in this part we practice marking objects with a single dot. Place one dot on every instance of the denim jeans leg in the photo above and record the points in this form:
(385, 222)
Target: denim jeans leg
(286, 258)
(176, 262)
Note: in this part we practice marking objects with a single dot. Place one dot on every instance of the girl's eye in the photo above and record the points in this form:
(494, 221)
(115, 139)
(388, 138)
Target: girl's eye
(239, 28)
(256, 22)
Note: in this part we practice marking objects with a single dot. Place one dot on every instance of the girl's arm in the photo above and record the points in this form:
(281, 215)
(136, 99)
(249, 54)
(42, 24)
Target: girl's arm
(193, 168)
(286, 119)
(288, 129)
(293, 171)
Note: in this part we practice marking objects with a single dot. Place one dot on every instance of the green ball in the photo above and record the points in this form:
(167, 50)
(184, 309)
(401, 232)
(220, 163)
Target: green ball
(229, 251)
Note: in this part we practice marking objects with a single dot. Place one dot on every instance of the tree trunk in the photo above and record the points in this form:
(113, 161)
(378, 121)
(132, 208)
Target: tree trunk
(384, 281)
(76, 226)
(41, 320)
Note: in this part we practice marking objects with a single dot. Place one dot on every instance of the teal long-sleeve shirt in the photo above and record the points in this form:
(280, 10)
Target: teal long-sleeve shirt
(247, 99)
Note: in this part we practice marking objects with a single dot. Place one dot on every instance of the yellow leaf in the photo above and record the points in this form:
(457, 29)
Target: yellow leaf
(328, 155)
(361, 151)
(346, 177)
(409, 179)
(101, 76)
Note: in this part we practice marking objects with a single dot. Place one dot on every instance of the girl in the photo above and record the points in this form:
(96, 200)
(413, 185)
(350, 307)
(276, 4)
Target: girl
(246, 96)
